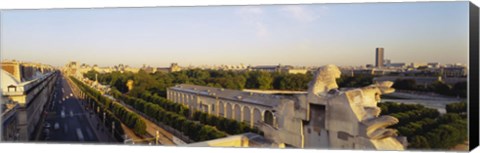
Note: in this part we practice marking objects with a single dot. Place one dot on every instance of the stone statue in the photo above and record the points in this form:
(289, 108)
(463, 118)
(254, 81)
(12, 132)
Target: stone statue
(324, 80)
(330, 118)
(355, 113)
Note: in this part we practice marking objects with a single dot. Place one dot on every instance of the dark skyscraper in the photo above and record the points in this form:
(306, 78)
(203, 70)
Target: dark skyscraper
(379, 57)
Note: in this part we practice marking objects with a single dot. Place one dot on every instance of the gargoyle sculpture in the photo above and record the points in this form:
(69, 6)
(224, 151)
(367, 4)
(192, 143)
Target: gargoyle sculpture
(355, 112)
(327, 117)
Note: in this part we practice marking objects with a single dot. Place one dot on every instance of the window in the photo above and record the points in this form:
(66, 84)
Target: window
(268, 118)
(343, 135)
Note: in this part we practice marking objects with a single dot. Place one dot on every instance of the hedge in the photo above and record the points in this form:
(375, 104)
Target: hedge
(114, 110)
(175, 119)
(229, 126)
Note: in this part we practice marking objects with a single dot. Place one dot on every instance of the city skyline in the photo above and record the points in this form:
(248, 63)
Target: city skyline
(307, 35)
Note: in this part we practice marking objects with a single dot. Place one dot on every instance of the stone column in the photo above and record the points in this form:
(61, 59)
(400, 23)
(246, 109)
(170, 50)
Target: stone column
(241, 114)
(252, 117)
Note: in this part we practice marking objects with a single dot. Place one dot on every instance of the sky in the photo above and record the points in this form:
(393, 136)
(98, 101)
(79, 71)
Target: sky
(301, 35)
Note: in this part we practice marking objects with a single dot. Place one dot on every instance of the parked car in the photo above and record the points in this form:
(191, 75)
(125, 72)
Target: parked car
(56, 126)
(47, 125)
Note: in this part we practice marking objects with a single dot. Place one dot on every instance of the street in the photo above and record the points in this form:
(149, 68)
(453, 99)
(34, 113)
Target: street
(66, 120)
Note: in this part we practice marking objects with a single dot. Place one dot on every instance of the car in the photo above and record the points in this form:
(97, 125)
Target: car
(47, 125)
(56, 126)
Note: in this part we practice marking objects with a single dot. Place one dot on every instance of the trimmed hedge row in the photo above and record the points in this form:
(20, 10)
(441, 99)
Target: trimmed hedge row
(118, 112)
(195, 130)
(460, 107)
(229, 126)
(163, 102)
(414, 115)
(425, 128)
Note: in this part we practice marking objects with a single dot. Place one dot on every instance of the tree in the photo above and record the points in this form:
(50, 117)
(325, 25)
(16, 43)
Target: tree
(419, 142)
(140, 126)
(460, 89)
(441, 88)
(460, 107)
(405, 84)
(259, 80)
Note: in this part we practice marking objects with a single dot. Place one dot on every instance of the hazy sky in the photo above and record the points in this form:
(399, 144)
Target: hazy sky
(342, 34)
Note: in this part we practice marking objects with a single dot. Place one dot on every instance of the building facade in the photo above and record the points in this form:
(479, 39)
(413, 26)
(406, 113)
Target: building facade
(31, 96)
(10, 131)
(242, 106)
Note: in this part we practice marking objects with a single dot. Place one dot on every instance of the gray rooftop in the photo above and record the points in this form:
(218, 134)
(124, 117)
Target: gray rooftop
(267, 100)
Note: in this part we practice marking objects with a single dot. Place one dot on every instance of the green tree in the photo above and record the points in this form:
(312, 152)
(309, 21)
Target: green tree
(441, 88)
(405, 84)
(419, 142)
(460, 89)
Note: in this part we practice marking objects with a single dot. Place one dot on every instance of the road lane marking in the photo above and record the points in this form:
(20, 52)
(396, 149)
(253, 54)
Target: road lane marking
(79, 134)
(62, 114)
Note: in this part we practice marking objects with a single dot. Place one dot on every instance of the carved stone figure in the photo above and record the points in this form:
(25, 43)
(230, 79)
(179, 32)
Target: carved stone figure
(330, 118)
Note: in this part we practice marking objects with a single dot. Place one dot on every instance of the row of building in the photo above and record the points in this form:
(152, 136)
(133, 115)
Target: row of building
(385, 66)
(444, 71)
(25, 90)
(174, 67)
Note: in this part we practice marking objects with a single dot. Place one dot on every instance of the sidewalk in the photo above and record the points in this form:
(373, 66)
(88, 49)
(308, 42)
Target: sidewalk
(165, 137)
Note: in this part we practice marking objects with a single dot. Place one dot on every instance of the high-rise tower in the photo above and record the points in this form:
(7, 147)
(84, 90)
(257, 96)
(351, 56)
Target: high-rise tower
(379, 57)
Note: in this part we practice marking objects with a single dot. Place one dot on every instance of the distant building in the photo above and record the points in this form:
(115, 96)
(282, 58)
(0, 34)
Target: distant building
(434, 65)
(457, 71)
(280, 68)
(240, 67)
(148, 69)
(424, 81)
(73, 68)
(266, 68)
(418, 64)
(379, 56)
(387, 62)
(173, 68)
(366, 72)
(397, 65)
(294, 70)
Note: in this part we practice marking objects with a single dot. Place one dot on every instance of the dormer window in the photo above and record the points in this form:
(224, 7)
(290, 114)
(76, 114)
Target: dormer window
(13, 87)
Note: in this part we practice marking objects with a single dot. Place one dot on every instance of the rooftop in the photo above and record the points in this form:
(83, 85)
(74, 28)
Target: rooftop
(268, 100)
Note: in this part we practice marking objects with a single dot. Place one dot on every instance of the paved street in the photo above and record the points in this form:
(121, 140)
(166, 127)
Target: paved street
(66, 120)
